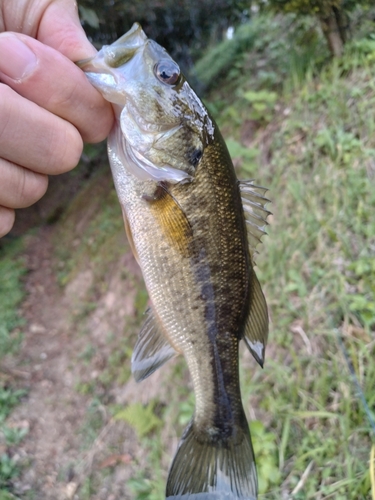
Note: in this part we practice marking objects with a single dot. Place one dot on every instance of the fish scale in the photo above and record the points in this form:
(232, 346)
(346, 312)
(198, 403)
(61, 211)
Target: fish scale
(189, 222)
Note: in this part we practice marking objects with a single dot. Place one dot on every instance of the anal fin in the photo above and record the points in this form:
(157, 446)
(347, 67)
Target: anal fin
(256, 328)
(151, 350)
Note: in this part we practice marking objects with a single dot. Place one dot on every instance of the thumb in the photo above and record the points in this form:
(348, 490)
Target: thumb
(60, 28)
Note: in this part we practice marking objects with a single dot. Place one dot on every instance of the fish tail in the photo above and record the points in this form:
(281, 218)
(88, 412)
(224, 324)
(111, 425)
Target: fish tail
(208, 468)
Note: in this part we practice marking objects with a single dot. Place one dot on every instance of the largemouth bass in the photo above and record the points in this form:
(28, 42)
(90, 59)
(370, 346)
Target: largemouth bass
(193, 228)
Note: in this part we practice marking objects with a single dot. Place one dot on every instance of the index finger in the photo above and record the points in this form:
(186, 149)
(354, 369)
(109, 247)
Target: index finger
(54, 82)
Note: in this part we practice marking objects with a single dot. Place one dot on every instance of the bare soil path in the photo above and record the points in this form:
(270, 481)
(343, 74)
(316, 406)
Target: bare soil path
(74, 449)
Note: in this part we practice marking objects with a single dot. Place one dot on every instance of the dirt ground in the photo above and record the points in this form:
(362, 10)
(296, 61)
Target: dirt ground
(74, 449)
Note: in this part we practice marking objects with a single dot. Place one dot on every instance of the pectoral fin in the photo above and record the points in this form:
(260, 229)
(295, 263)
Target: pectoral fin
(256, 329)
(152, 349)
(172, 220)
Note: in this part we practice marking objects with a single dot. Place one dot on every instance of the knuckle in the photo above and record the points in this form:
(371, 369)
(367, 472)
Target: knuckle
(6, 98)
(100, 126)
(31, 186)
(73, 150)
(66, 149)
(63, 98)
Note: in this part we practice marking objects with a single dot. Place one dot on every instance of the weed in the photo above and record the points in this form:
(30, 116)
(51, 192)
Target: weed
(8, 470)
(12, 269)
(13, 436)
(9, 467)
(141, 418)
(315, 149)
(8, 400)
(95, 418)
(150, 484)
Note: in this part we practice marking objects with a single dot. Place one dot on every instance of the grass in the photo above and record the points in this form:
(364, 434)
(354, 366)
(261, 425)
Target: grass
(313, 145)
(317, 270)
(91, 229)
(12, 269)
(315, 150)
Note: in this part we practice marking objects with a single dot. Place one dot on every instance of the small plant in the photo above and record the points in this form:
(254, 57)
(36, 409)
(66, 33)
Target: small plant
(141, 418)
(266, 451)
(143, 488)
(12, 269)
(13, 436)
(8, 470)
(9, 398)
(262, 104)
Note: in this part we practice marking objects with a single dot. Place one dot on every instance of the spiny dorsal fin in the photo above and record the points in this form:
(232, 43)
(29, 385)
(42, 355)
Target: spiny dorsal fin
(152, 349)
(253, 202)
(256, 329)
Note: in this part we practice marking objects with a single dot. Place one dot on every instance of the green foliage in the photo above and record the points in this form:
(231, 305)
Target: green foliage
(5, 495)
(8, 470)
(12, 269)
(94, 422)
(141, 418)
(225, 55)
(332, 15)
(318, 271)
(186, 410)
(266, 453)
(183, 27)
(262, 54)
(262, 104)
(314, 147)
(313, 7)
(8, 400)
(11, 437)
(248, 157)
(360, 52)
(144, 488)
(148, 484)
(98, 236)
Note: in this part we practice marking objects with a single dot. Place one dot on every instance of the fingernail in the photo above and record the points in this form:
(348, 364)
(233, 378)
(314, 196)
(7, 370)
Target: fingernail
(16, 59)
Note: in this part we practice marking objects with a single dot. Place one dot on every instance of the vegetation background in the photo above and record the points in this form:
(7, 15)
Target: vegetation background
(299, 118)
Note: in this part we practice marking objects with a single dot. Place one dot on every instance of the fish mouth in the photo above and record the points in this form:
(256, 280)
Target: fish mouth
(116, 54)
(97, 72)
(104, 70)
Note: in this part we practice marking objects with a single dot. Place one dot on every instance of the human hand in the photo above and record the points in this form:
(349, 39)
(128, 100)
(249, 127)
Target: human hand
(47, 106)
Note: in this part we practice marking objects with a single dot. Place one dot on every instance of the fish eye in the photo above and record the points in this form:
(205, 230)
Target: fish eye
(167, 72)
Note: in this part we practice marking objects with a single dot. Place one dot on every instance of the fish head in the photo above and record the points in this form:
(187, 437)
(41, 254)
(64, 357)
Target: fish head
(164, 125)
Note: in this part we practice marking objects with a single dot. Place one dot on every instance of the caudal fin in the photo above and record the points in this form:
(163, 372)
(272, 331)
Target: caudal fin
(209, 469)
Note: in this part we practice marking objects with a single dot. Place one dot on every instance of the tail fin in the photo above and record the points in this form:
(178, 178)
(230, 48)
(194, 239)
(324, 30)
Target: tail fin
(212, 469)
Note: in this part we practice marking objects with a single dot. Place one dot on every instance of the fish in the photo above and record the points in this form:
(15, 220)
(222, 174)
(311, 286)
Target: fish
(193, 228)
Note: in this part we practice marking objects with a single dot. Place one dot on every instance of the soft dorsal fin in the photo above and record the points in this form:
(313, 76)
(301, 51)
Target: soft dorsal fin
(256, 328)
(253, 202)
(152, 348)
